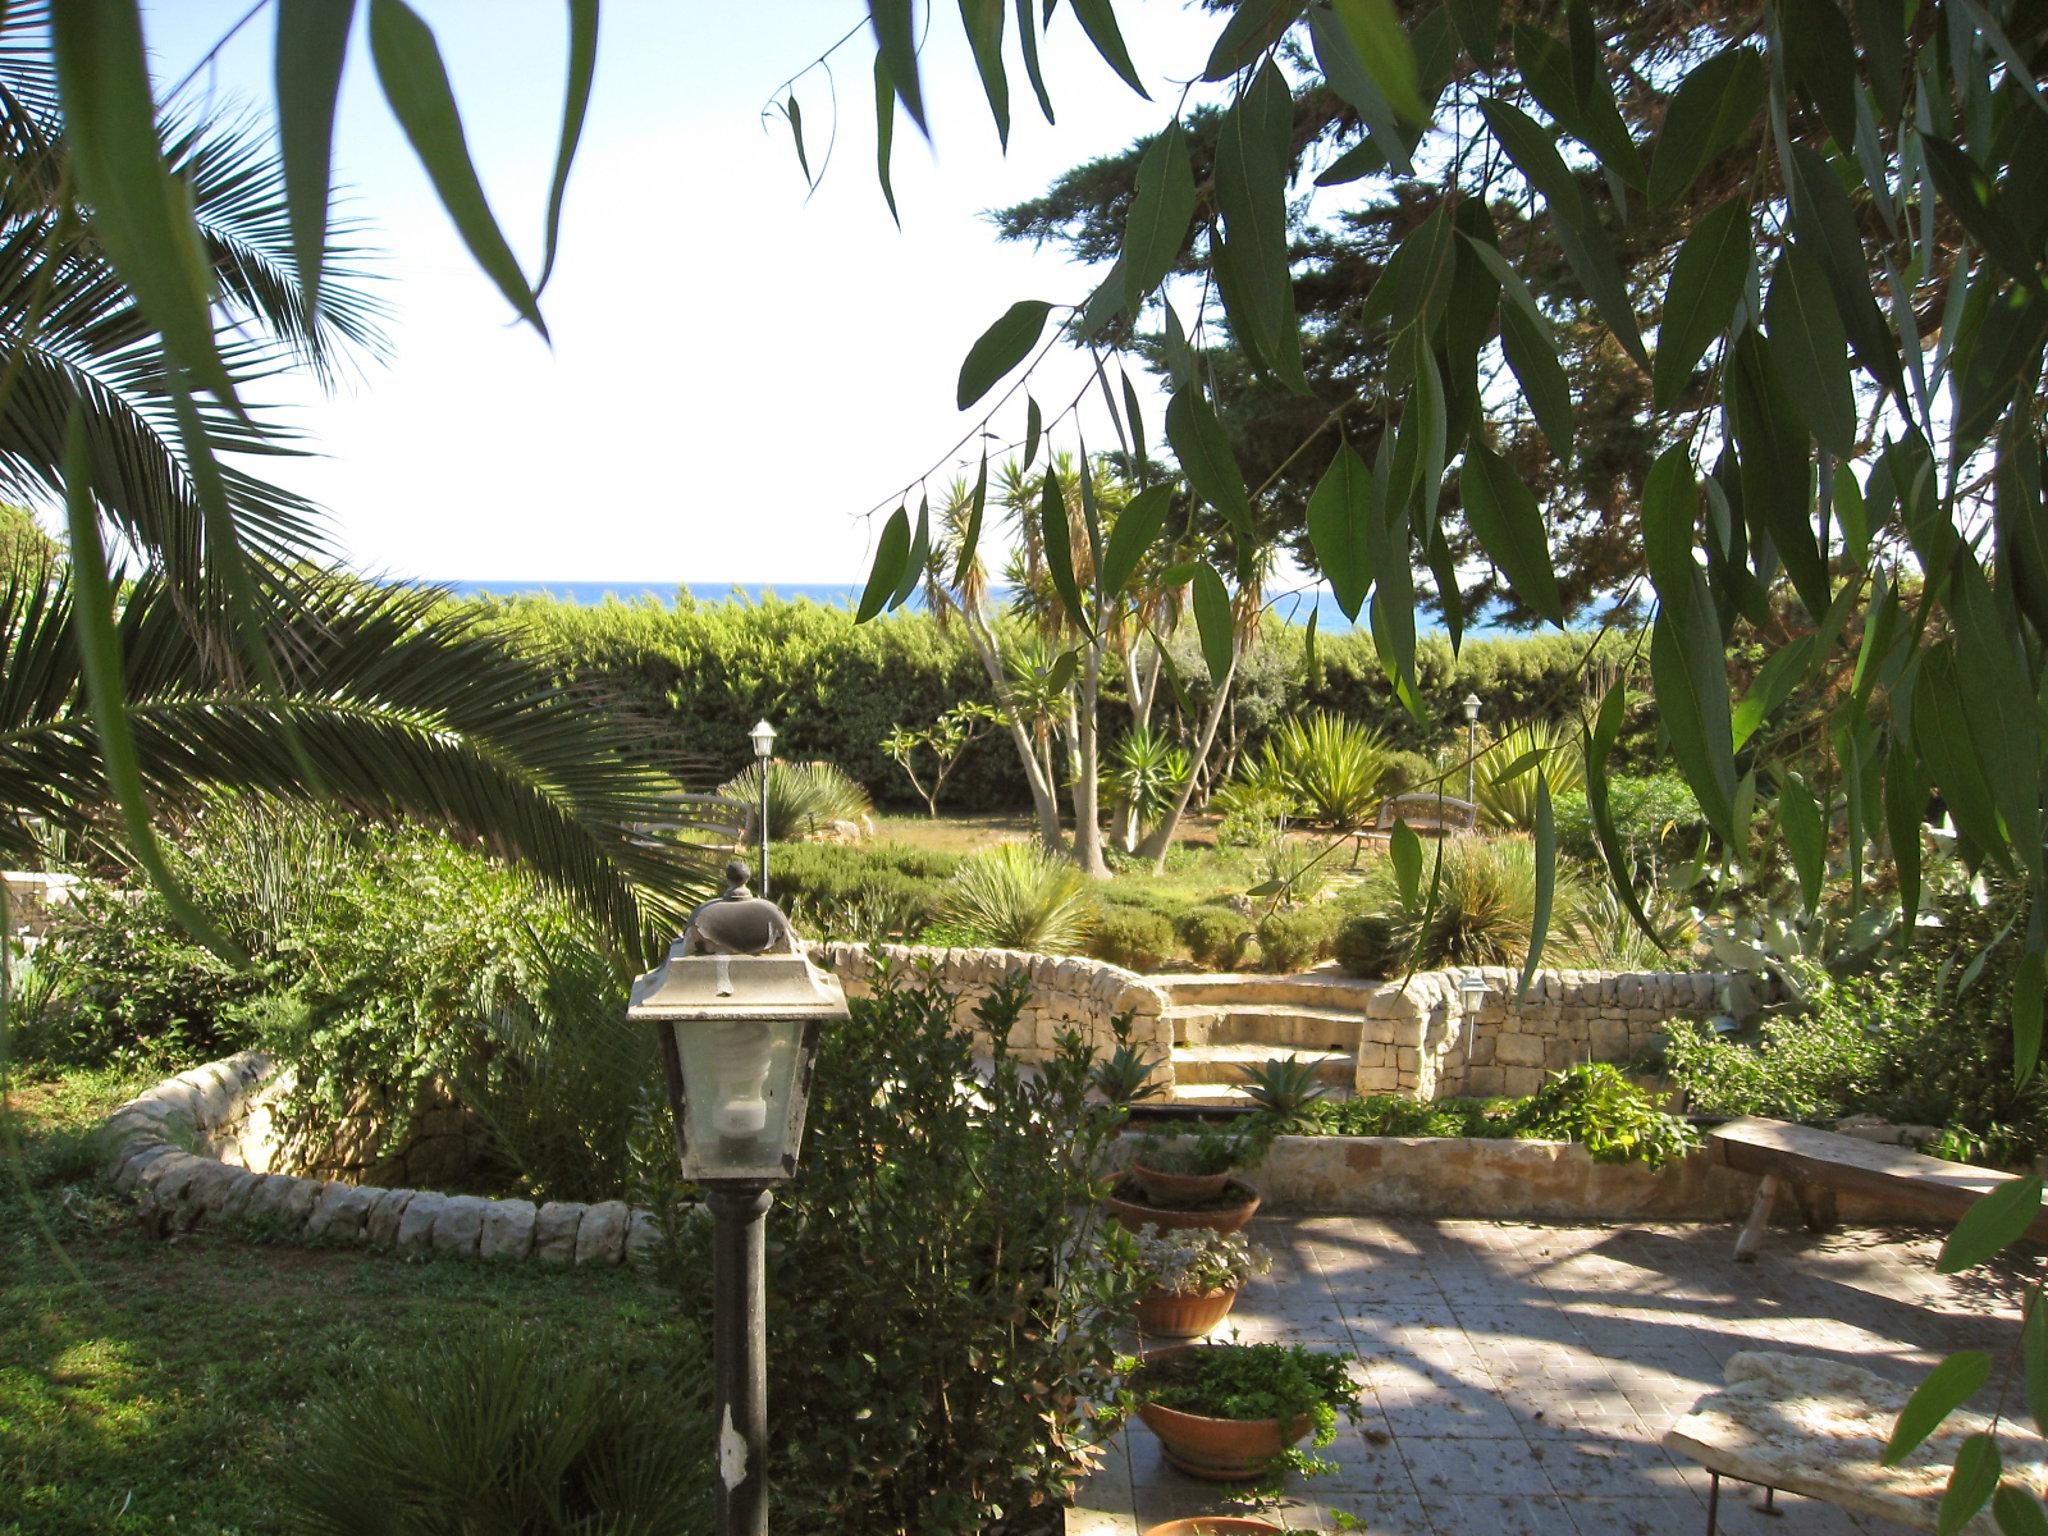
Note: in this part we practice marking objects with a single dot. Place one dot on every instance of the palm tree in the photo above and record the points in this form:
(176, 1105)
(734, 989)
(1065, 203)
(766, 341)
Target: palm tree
(402, 702)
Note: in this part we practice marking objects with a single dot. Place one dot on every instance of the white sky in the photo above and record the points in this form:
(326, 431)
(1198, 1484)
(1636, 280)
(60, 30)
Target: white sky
(736, 375)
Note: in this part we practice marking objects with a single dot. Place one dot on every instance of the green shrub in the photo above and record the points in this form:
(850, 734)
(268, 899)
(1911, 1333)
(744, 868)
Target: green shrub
(501, 1430)
(1389, 1114)
(1511, 802)
(1802, 1068)
(1215, 936)
(803, 799)
(946, 1347)
(834, 891)
(1408, 772)
(1483, 914)
(1254, 811)
(1134, 938)
(1371, 944)
(1595, 1106)
(1256, 1381)
(1017, 896)
(1656, 817)
(1296, 938)
(1331, 765)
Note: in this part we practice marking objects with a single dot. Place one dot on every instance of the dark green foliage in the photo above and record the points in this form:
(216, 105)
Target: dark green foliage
(1595, 1106)
(1655, 816)
(1134, 938)
(1371, 944)
(509, 1430)
(946, 1346)
(1207, 1147)
(861, 891)
(1479, 911)
(1390, 1114)
(1295, 938)
(1215, 936)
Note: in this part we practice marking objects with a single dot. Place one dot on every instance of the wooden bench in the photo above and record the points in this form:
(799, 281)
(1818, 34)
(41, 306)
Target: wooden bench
(1427, 813)
(1818, 1164)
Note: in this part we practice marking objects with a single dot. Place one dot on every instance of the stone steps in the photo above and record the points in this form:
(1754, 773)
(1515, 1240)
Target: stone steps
(1320, 988)
(1223, 1065)
(1290, 1025)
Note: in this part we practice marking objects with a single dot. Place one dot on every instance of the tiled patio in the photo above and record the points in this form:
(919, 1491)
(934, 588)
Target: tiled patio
(1520, 1377)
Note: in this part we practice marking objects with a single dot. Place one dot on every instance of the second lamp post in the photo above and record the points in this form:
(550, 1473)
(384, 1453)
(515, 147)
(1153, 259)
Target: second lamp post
(763, 738)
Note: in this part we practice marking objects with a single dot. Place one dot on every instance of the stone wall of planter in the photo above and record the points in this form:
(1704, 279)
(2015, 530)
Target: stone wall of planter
(1414, 1036)
(202, 1149)
(1067, 992)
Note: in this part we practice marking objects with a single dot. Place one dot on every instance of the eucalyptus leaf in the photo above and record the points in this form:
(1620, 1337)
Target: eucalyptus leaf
(1992, 1224)
(1941, 1392)
(1001, 348)
(1214, 623)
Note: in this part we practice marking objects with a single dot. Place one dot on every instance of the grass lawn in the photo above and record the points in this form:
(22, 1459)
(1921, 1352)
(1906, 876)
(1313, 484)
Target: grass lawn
(148, 1386)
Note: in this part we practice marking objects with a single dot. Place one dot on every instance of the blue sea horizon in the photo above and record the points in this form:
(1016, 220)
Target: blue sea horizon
(1287, 608)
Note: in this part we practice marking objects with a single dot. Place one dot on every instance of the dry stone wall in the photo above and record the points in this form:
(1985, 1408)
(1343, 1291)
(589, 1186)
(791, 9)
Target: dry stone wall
(203, 1148)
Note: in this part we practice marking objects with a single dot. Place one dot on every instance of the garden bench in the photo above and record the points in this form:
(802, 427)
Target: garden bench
(704, 821)
(1817, 1427)
(1427, 813)
(1818, 1164)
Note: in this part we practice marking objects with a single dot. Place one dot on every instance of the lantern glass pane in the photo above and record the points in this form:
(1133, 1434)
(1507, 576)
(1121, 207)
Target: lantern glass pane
(738, 1078)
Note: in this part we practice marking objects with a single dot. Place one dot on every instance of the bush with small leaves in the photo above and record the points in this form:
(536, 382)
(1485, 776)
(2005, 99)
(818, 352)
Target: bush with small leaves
(1133, 938)
(1296, 938)
(1371, 944)
(1215, 936)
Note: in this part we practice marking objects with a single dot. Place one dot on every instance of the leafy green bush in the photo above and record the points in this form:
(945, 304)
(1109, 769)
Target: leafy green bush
(1483, 914)
(1017, 896)
(1255, 1381)
(1371, 944)
(1215, 936)
(1295, 938)
(804, 799)
(949, 1349)
(833, 891)
(1802, 1068)
(1595, 1106)
(1134, 938)
(1511, 802)
(504, 1431)
(1408, 771)
(1656, 818)
(1390, 1114)
(1331, 765)
(1253, 814)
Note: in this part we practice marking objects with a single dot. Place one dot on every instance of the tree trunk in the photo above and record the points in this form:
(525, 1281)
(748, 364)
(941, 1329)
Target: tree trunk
(1161, 837)
(1087, 791)
(1044, 798)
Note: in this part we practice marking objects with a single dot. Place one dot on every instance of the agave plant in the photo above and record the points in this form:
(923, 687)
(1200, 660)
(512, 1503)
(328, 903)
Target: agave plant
(1480, 909)
(1019, 897)
(803, 798)
(1504, 775)
(397, 704)
(1146, 772)
(1332, 766)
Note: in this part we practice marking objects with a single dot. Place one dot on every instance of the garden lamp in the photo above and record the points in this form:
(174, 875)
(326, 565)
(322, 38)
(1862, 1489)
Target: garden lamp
(763, 738)
(1471, 994)
(1472, 748)
(738, 1009)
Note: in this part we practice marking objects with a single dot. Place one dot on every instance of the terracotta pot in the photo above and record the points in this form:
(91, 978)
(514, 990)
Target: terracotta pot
(1174, 1189)
(1163, 1315)
(1221, 1218)
(1216, 1450)
(1216, 1525)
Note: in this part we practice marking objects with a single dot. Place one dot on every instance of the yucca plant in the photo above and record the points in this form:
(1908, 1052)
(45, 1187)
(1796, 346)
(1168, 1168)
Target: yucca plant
(1146, 771)
(1481, 910)
(803, 799)
(1332, 765)
(1504, 776)
(1017, 896)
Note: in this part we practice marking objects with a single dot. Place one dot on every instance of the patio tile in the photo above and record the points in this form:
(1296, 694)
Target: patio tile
(1682, 1516)
(1494, 1515)
(1475, 1466)
(1382, 1514)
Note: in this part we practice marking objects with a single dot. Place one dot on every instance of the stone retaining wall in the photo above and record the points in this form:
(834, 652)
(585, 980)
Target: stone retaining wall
(1067, 992)
(202, 1148)
(1413, 1040)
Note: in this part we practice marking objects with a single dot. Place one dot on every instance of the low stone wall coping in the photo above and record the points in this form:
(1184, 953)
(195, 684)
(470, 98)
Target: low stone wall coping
(183, 1148)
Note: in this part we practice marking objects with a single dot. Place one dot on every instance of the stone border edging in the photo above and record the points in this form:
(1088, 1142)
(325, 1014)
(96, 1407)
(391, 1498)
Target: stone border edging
(170, 1145)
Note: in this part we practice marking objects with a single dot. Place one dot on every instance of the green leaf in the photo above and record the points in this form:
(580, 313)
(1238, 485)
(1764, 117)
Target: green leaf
(983, 21)
(575, 105)
(1570, 85)
(1806, 838)
(1905, 797)
(1505, 519)
(1419, 447)
(415, 83)
(1600, 740)
(312, 42)
(1712, 108)
(1777, 465)
(885, 133)
(141, 218)
(1338, 58)
(1546, 883)
(99, 649)
(1034, 429)
(1251, 265)
(1443, 566)
(972, 539)
(1027, 37)
(1157, 226)
(1376, 33)
(1689, 669)
(1057, 540)
(1197, 438)
(1992, 1224)
(2018, 1512)
(892, 550)
(1971, 1482)
(1314, 666)
(895, 28)
(1137, 526)
(1213, 622)
(1812, 350)
(2029, 993)
(1706, 282)
(1340, 528)
(1001, 348)
(1135, 418)
(1773, 684)
(793, 112)
(1541, 376)
(1883, 26)
(1973, 197)
(1941, 736)
(1404, 848)
(2034, 1356)
(1478, 26)
(1098, 20)
(1820, 56)
(1670, 519)
(1253, 28)
(1999, 706)
(2000, 353)
(1826, 226)
(914, 562)
(1940, 1393)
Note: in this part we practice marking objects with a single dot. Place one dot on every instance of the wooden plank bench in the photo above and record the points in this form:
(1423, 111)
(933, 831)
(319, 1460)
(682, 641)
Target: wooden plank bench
(1427, 813)
(1819, 1164)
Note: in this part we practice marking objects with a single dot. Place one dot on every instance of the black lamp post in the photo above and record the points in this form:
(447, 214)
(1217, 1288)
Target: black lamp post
(739, 1008)
(763, 738)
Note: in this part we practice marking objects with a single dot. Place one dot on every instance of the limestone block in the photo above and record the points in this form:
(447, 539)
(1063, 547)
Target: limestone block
(1483, 1043)
(416, 1225)
(1518, 1050)
(1559, 1054)
(387, 1213)
(459, 1226)
(127, 1172)
(266, 1197)
(1407, 1060)
(554, 1231)
(342, 1212)
(236, 1205)
(1374, 1055)
(1610, 1041)
(165, 1180)
(643, 1236)
(1628, 991)
(1377, 1079)
(601, 1239)
(1393, 1003)
(1518, 1082)
(1488, 1082)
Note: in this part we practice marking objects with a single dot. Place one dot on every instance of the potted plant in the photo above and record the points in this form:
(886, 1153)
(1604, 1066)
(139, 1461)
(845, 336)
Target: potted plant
(1235, 1412)
(1192, 1276)
(1188, 1169)
(1217, 1525)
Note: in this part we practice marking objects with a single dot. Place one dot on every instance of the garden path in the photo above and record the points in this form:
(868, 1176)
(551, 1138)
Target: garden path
(1519, 1377)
